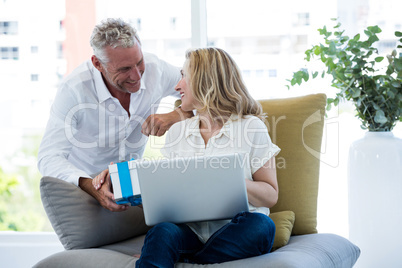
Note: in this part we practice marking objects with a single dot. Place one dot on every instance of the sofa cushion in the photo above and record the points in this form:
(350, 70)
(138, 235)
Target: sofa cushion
(296, 126)
(89, 258)
(284, 221)
(79, 220)
(312, 251)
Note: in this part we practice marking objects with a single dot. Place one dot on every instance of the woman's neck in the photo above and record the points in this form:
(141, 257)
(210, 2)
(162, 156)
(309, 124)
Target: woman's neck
(209, 127)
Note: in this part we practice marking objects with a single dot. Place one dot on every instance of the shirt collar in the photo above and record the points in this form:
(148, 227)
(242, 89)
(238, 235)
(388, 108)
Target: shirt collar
(227, 129)
(193, 127)
(103, 91)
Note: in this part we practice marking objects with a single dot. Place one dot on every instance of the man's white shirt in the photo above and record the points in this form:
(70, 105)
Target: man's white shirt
(88, 128)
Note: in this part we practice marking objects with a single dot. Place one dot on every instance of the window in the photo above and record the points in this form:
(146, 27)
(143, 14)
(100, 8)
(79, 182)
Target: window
(9, 53)
(384, 46)
(301, 42)
(272, 73)
(259, 73)
(8, 27)
(234, 45)
(59, 48)
(302, 19)
(34, 49)
(138, 24)
(173, 23)
(34, 77)
(269, 45)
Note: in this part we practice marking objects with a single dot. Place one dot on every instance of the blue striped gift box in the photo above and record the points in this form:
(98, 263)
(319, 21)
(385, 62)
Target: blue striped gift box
(126, 188)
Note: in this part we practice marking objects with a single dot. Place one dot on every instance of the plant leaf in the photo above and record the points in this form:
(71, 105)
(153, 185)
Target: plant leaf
(368, 33)
(305, 75)
(396, 84)
(373, 38)
(355, 50)
(380, 117)
(379, 59)
(356, 93)
(356, 37)
(317, 50)
(398, 64)
(332, 48)
(374, 29)
(390, 70)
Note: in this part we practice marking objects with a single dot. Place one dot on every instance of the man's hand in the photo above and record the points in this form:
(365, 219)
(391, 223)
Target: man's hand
(104, 194)
(158, 124)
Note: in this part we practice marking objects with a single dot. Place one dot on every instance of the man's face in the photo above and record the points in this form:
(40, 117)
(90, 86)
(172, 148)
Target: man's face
(124, 69)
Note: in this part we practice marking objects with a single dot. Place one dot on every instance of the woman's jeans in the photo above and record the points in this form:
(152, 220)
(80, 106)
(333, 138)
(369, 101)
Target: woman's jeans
(247, 235)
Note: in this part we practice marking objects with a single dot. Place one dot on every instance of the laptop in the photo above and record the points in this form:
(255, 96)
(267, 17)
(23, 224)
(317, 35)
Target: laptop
(191, 189)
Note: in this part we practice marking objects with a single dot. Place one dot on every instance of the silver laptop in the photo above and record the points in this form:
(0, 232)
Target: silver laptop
(192, 189)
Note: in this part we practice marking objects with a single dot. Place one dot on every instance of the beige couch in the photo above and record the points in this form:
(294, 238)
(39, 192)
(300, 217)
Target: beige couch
(96, 237)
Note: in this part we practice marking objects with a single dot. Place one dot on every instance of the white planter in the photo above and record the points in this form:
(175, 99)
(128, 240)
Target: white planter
(375, 199)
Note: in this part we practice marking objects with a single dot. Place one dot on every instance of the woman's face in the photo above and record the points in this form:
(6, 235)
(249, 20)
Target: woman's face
(188, 103)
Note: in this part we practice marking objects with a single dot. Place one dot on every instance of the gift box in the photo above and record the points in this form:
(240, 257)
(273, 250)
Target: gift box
(126, 188)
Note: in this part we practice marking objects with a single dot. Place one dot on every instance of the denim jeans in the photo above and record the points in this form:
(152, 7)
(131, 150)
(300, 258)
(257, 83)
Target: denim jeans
(247, 235)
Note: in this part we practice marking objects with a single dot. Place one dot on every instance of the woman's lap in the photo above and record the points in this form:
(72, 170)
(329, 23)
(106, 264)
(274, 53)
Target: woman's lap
(247, 235)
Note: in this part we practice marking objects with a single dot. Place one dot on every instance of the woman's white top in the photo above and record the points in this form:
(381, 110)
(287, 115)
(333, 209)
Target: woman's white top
(247, 136)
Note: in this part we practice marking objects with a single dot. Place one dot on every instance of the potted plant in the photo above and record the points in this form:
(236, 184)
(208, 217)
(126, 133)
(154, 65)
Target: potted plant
(375, 161)
(353, 64)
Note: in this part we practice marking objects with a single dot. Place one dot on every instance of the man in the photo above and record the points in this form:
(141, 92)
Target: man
(104, 110)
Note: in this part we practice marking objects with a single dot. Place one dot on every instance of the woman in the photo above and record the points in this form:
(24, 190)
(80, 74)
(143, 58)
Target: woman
(228, 120)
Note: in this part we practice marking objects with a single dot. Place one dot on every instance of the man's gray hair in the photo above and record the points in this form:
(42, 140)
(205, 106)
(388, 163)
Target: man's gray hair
(113, 33)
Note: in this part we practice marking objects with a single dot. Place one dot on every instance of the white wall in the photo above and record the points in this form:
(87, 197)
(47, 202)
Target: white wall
(22, 250)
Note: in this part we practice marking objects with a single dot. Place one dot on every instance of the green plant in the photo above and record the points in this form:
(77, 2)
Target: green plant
(20, 204)
(7, 184)
(353, 65)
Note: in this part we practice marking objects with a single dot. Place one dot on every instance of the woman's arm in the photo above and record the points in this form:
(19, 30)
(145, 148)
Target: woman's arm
(263, 190)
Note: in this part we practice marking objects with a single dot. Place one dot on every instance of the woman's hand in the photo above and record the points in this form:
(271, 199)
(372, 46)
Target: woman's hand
(101, 178)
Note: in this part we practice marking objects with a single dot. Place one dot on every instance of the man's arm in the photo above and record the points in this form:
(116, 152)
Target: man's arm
(54, 151)
(158, 124)
(56, 147)
(53, 163)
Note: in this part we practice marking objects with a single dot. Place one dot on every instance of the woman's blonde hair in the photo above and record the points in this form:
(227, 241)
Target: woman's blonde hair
(217, 85)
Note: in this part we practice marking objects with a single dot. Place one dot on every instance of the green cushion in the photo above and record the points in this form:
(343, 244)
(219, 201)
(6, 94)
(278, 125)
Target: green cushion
(296, 126)
(284, 221)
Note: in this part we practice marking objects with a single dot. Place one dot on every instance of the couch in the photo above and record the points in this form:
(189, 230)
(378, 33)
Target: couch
(95, 237)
